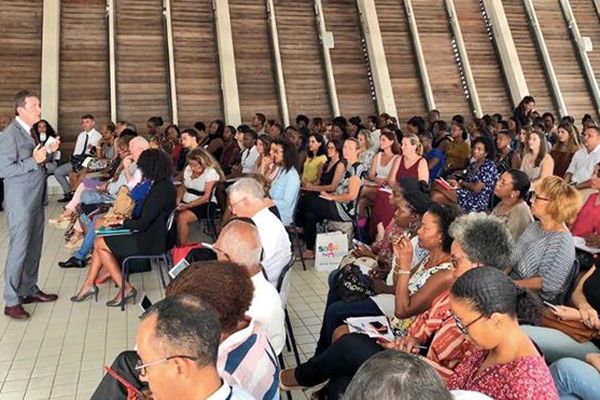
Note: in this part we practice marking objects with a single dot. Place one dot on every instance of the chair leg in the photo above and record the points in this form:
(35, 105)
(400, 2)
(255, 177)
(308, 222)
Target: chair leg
(298, 245)
(287, 342)
(160, 271)
(281, 361)
(288, 324)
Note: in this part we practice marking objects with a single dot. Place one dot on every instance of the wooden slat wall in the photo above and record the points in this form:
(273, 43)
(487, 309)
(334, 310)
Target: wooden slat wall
(253, 59)
(84, 83)
(491, 86)
(436, 40)
(349, 66)
(301, 55)
(20, 49)
(564, 58)
(142, 75)
(401, 59)
(531, 62)
(198, 79)
(589, 25)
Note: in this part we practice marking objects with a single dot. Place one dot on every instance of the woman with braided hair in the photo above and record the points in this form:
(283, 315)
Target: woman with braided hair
(487, 305)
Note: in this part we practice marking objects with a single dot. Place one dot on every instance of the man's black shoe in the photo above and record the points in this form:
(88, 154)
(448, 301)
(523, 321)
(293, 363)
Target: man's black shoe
(73, 262)
(66, 198)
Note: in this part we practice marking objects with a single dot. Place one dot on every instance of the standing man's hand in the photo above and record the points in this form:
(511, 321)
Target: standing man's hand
(39, 154)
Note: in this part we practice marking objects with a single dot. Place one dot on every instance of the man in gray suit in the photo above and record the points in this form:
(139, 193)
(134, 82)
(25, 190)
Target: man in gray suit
(21, 163)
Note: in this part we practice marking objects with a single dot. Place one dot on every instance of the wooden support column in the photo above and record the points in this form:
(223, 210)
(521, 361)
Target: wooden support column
(112, 68)
(421, 63)
(285, 112)
(377, 59)
(326, 44)
(507, 51)
(171, 58)
(464, 59)
(546, 60)
(49, 95)
(231, 96)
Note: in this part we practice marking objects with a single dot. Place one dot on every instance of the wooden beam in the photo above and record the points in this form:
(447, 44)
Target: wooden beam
(49, 89)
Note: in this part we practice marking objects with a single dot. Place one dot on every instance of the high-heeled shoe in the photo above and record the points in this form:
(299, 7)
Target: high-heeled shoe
(117, 303)
(83, 296)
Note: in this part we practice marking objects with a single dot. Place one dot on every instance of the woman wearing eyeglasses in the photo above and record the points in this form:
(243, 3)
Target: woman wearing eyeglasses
(486, 305)
(545, 252)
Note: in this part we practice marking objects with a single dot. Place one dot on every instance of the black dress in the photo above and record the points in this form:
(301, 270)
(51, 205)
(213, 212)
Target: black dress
(151, 238)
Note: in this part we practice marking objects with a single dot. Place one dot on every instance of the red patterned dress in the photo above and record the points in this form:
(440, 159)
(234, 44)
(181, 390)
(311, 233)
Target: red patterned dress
(526, 378)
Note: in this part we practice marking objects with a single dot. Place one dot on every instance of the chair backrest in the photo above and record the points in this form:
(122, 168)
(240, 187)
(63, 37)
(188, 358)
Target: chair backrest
(284, 280)
(571, 282)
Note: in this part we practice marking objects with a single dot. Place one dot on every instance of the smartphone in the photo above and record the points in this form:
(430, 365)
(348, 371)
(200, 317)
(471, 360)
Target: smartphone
(145, 304)
(552, 306)
(180, 266)
(359, 243)
(379, 327)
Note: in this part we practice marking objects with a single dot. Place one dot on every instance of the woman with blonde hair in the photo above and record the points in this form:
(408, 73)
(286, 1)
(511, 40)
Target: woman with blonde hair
(545, 252)
(367, 153)
(565, 147)
(196, 198)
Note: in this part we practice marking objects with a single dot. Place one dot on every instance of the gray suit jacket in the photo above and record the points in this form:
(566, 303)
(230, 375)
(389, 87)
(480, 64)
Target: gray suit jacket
(23, 177)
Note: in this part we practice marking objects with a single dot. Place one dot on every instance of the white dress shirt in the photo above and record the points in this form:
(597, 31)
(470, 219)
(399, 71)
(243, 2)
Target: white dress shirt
(267, 310)
(94, 138)
(227, 392)
(275, 242)
(583, 164)
(248, 159)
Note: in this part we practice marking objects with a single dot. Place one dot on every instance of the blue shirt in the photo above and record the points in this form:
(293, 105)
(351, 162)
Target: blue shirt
(434, 173)
(284, 192)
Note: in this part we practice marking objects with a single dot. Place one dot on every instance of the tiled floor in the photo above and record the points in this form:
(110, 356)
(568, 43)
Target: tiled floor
(60, 351)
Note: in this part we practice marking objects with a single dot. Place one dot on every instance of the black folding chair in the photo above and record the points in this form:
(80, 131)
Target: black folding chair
(164, 258)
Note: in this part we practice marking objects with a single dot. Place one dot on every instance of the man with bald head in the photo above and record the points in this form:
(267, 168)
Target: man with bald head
(240, 243)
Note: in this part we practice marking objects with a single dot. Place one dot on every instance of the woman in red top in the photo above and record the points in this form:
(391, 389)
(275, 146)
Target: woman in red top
(484, 303)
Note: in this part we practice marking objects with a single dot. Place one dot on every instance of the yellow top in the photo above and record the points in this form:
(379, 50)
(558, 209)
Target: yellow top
(312, 167)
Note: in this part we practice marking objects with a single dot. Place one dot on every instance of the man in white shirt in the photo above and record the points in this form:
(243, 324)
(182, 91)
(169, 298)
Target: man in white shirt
(581, 169)
(87, 141)
(239, 242)
(247, 199)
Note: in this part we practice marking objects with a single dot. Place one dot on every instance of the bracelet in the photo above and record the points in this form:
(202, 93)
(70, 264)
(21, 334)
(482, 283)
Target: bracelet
(401, 272)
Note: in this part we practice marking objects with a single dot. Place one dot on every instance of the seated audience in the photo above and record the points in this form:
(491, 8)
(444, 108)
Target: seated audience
(246, 199)
(248, 155)
(337, 206)
(566, 145)
(474, 190)
(286, 184)
(243, 348)
(365, 142)
(545, 251)
(214, 143)
(587, 225)
(524, 110)
(231, 150)
(512, 189)
(264, 163)
(332, 171)
(585, 299)
(457, 151)
(315, 160)
(478, 240)
(258, 123)
(149, 230)
(537, 163)
(189, 141)
(582, 166)
(196, 198)
(485, 304)
(506, 157)
(401, 376)
(435, 157)
(239, 242)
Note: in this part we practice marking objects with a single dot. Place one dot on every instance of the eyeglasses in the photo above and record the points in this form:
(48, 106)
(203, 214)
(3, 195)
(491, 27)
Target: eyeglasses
(454, 260)
(535, 196)
(236, 203)
(142, 367)
(464, 328)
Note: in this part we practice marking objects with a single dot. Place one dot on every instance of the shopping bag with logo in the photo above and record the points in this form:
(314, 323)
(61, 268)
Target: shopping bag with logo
(330, 248)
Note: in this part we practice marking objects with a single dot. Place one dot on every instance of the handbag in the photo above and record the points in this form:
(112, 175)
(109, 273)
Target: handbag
(78, 159)
(122, 207)
(352, 285)
(576, 330)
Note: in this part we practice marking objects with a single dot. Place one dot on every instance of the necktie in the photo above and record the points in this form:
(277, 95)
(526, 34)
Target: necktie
(35, 137)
